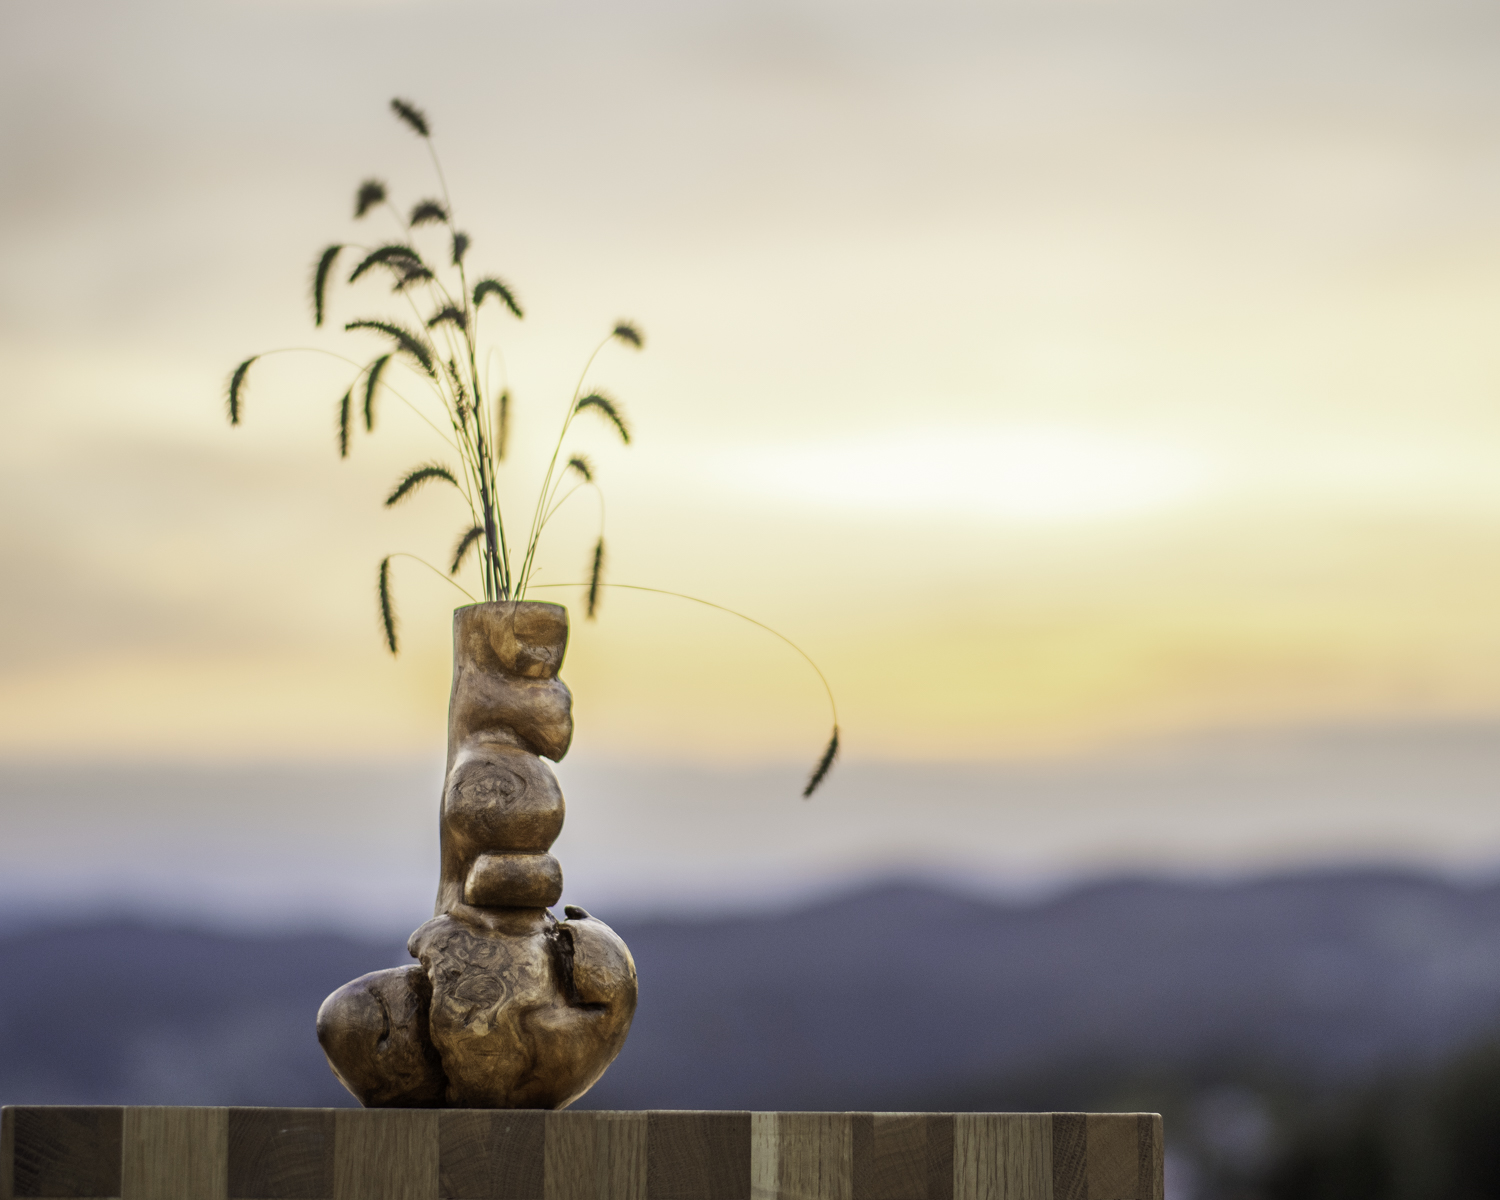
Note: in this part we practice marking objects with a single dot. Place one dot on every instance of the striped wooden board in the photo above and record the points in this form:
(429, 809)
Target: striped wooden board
(470, 1154)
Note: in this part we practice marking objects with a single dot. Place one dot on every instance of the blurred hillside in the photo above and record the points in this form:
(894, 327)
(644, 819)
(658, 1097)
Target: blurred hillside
(1237, 1009)
(352, 845)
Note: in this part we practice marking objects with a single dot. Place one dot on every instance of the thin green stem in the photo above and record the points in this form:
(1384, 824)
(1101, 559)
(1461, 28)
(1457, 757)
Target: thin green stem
(397, 217)
(440, 574)
(551, 512)
(832, 704)
(496, 556)
(537, 517)
(362, 367)
(469, 453)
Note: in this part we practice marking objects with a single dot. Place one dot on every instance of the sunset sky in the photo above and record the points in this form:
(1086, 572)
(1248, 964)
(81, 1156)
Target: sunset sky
(1058, 373)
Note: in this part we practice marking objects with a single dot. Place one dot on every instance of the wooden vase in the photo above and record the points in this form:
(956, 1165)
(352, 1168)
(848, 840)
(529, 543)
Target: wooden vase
(509, 1007)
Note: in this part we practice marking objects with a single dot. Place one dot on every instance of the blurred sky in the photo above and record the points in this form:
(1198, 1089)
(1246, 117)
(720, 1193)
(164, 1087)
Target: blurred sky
(1058, 373)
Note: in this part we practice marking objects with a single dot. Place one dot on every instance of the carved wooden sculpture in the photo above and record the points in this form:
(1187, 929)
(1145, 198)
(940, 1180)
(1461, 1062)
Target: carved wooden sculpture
(509, 1008)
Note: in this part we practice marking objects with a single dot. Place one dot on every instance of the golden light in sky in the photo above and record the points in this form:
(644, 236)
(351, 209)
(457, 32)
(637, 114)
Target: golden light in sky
(1028, 474)
(1051, 372)
(1105, 392)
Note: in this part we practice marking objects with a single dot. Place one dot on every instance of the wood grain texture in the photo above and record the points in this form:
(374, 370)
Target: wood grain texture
(1151, 1154)
(765, 1158)
(428, 1154)
(63, 1152)
(174, 1154)
(976, 1157)
(595, 1156)
(7, 1153)
(1070, 1169)
(1003, 1156)
(690, 1155)
(1113, 1156)
(861, 1153)
(620, 1148)
(903, 1156)
(487, 1154)
(385, 1154)
(1028, 1156)
(815, 1156)
(281, 1153)
(940, 1157)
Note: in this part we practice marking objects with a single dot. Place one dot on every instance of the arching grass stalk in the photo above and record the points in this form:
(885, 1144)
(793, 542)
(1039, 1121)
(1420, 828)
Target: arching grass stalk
(830, 752)
(435, 340)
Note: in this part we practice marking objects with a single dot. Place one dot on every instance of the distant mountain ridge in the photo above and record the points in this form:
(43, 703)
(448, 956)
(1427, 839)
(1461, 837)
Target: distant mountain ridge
(893, 997)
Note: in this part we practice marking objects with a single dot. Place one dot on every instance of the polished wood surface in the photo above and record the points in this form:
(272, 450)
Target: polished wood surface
(174, 1154)
(281, 1151)
(516, 1154)
(510, 1008)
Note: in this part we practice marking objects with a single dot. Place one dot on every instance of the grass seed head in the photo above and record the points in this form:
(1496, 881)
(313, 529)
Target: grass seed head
(387, 608)
(493, 287)
(412, 116)
(427, 212)
(825, 764)
(609, 410)
(596, 578)
(371, 192)
(236, 390)
(397, 255)
(320, 280)
(416, 477)
(404, 338)
(465, 543)
(344, 405)
(411, 275)
(372, 381)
